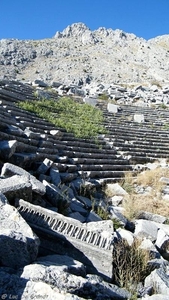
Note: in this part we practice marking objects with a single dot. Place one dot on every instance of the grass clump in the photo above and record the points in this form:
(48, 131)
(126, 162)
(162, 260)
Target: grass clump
(83, 120)
(103, 96)
(130, 264)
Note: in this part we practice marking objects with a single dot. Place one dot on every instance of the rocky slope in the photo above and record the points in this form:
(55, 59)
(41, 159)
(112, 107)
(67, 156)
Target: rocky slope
(79, 55)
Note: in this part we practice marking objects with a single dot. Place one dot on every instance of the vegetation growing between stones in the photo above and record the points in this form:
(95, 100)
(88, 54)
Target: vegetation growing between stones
(103, 96)
(83, 120)
(130, 264)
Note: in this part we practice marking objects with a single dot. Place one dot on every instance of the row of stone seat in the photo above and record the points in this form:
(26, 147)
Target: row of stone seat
(35, 142)
(141, 142)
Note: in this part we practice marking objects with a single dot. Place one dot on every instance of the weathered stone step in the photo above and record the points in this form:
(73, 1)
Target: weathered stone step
(72, 154)
(91, 161)
(141, 147)
(103, 174)
(107, 167)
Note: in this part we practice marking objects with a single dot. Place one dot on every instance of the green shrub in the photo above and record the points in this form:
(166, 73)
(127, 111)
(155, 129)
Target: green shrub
(83, 120)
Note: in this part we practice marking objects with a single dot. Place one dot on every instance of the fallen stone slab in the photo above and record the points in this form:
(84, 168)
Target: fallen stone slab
(123, 234)
(88, 243)
(86, 201)
(145, 228)
(93, 217)
(147, 244)
(16, 187)
(57, 277)
(77, 206)
(112, 108)
(14, 287)
(159, 279)
(7, 148)
(18, 244)
(151, 217)
(162, 243)
(45, 166)
(66, 262)
(114, 189)
(55, 176)
(54, 194)
(77, 216)
(10, 169)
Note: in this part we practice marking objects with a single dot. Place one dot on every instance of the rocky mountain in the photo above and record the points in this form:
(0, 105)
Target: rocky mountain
(78, 55)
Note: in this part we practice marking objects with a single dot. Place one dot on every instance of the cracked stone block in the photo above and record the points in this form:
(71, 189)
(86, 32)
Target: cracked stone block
(10, 169)
(16, 187)
(18, 244)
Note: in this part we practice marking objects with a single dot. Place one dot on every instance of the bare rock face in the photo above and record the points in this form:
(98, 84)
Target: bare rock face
(74, 30)
(78, 53)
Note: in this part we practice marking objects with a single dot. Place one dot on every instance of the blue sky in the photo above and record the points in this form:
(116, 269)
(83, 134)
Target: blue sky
(38, 19)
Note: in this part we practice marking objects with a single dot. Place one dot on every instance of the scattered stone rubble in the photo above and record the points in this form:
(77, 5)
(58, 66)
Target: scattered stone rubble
(44, 254)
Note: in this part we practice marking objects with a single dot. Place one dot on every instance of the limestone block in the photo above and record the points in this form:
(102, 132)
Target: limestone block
(147, 244)
(10, 169)
(122, 233)
(55, 176)
(16, 187)
(93, 217)
(54, 194)
(112, 108)
(162, 243)
(114, 189)
(56, 133)
(115, 200)
(77, 216)
(63, 261)
(30, 134)
(86, 201)
(160, 280)
(70, 235)
(38, 82)
(77, 206)
(7, 148)
(47, 279)
(45, 166)
(145, 228)
(139, 118)
(91, 101)
(116, 214)
(151, 217)
(156, 297)
(18, 244)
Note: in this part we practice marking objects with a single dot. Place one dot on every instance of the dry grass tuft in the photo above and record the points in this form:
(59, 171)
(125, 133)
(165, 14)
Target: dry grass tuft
(152, 177)
(134, 203)
(150, 202)
(130, 264)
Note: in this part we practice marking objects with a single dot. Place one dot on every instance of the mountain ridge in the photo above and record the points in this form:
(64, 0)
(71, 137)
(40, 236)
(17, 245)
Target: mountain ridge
(77, 53)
